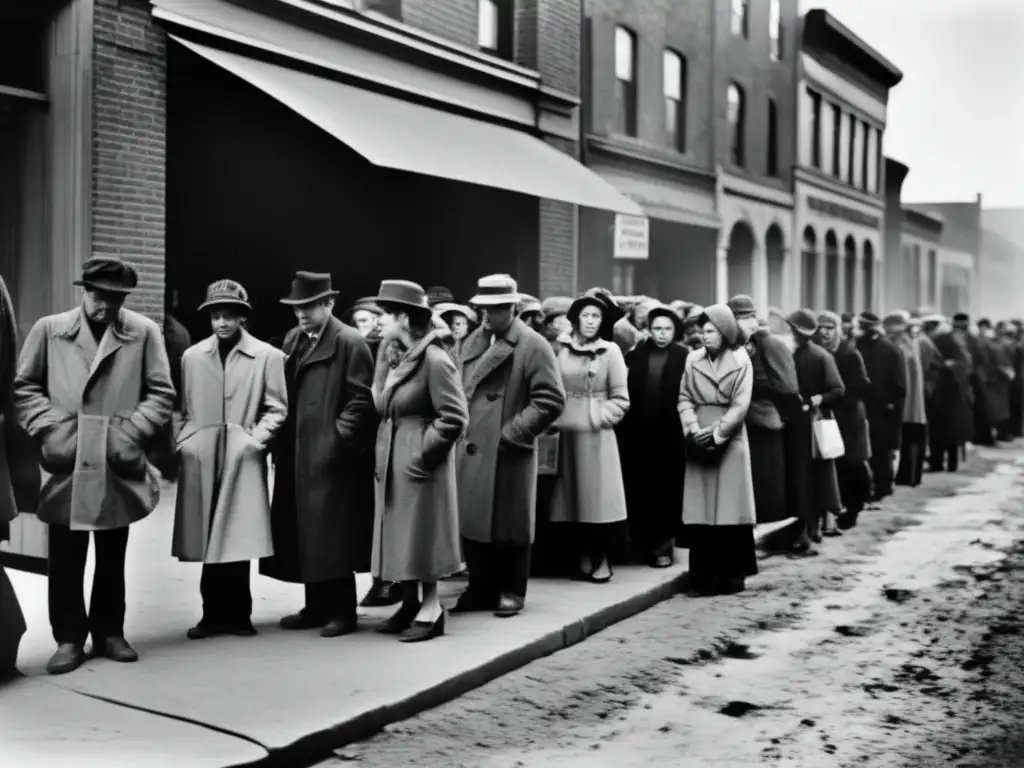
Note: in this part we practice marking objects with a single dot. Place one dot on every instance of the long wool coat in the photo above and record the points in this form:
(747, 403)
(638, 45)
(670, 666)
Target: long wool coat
(718, 391)
(230, 415)
(423, 414)
(515, 394)
(849, 409)
(322, 511)
(818, 375)
(887, 373)
(651, 446)
(589, 487)
(93, 408)
(914, 402)
(951, 405)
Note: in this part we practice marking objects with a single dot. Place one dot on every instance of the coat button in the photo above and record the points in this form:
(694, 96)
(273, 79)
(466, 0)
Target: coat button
(471, 449)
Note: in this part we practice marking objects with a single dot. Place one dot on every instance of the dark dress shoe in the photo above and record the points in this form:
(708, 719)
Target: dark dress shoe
(508, 606)
(302, 620)
(117, 649)
(205, 629)
(68, 658)
(846, 521)
(201, 631)
(662, 561)
(382, 593)
(338, 627)
(471, 602)
(420, 631)
(399, 621)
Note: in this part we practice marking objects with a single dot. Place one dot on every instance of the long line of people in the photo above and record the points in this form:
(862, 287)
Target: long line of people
(503, 438)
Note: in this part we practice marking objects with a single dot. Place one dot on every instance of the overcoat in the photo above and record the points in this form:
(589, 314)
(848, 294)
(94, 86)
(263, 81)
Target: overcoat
(914, 402)
(230, 414)
(887, 373)
(651, 444)
(951, 406)
(718, 392)
(589, 487)
(818, 375)
(92, 408)
(321, 515)
(849, 409)
(515, 394)
(423, 414)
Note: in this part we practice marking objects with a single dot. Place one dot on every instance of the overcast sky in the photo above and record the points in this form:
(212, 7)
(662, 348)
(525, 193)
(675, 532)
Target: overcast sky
(957, 118)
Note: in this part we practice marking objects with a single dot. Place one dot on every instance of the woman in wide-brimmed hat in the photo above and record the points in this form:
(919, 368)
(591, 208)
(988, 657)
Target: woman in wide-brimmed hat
(589, 491)
(718, 493)
(461, 321)
(418, 394)
(651, 438)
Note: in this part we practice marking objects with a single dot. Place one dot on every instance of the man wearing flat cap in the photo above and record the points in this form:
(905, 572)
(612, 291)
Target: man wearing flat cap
(93, 389)
(515, 393)
(322, 510)
(233, 404)
(887, 374)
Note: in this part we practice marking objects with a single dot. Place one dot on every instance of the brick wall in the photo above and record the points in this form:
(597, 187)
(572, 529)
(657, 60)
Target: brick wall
(685, 26)
(129, 145)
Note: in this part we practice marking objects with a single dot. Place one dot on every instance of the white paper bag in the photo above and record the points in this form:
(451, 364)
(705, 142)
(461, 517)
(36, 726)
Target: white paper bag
(828, 442)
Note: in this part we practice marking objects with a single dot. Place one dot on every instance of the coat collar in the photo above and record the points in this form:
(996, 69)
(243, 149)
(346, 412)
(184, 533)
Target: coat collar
(387, 378)
(728, 362)
(322, 350)
(246, 344)
(595, 347)
(73, 326)
(492, 356)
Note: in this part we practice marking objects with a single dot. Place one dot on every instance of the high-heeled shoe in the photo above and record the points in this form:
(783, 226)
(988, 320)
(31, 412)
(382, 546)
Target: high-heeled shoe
(400, 620)
(420, 631)
(604, 578)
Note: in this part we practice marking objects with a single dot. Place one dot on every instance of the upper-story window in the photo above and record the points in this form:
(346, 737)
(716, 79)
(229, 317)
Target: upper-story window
(815, 128)
(773, 138)
(865, 157)
(739, 23)
(737, 119)
(775, 30)
(494, 27)
(837, 140)
(674, 76)
(625, 81)
(869, 159)
(852, 167)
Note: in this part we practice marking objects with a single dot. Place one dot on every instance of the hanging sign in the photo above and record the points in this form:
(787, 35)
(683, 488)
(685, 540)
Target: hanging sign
(632, 236)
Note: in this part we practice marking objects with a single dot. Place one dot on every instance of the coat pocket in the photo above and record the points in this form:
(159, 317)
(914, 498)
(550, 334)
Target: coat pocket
(59, 447)
(124, 453)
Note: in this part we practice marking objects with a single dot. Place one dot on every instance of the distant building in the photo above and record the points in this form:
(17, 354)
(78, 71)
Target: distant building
(840, 185)
(968, 279)
(911, 267)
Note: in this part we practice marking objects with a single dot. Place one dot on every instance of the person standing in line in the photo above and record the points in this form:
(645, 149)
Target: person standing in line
(234, 402)
(887, 373)
(852, 469)
(718, 498)
(93, 389)
(589, 490)
(651, 439)
(914, 431)
(418, 393)
(322, 508)
(692, 332)
(511, 381)
(951, 407)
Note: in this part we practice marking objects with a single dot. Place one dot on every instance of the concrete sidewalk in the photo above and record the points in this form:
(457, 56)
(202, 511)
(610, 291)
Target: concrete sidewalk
(279, 698)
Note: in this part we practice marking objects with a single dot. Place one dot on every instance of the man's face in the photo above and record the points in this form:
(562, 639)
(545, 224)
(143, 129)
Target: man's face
(225, 322)
(663, 331)
(533, 319)
(313, 317)
(496, 319)
(848, 330)
(102, 306)
(827, 333)
(364, 321)
(748, 326)
(640, 316)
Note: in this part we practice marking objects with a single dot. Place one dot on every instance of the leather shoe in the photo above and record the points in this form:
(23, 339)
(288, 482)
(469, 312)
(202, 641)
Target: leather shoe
(68, 658)
(381, 594)
(508, 606)
(423, 630)
(338, 627)
(205, 629)
(302, 620)
(471, 602)
(662, 561)
(117, 649)
(201, 631)
(400, 620)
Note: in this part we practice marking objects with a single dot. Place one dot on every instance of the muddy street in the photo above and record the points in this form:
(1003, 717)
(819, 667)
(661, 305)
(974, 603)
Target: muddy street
(899, 646)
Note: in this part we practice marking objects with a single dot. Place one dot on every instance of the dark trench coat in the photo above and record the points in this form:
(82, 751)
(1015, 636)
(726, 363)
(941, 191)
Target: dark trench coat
(849, 410)
(322, 511)
(951, 403)
(818, 375)
(887, 374)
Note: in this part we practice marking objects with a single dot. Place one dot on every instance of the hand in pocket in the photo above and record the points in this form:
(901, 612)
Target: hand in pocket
(59, 446)
(124, 451)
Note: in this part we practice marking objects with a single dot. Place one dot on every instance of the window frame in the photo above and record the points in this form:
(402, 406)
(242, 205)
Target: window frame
(504, 22)
(772, 165)
(837, 140)
(816, 104)
(626, 90)
(676, 134)
(776, 52)
(739, 18)
(737, 126)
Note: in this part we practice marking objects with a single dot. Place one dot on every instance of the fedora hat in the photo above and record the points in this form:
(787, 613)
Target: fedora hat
(226, 293)
(308, 287)
(742, 306)
(803, 322)
(402, 295)
(103, 273)
(496, 290)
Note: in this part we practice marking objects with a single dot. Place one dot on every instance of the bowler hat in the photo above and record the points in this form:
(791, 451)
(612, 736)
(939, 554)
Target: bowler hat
(869, 318)
(227, 293)
(402, 295)
(742, 306)
(308, 287)
(496, 290)
(803, 322)
(103, 273)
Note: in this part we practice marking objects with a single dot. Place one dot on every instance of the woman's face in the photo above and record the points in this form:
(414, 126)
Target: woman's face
(590, 322)
(459, 326)
(712, 337)
(640, 316)
(663, 331)
(393, 323)
(364, 321)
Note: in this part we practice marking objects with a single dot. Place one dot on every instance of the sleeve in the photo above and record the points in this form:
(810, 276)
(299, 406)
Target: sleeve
(274, 408)
(687, 406)
(33, 409)
(855, 375)
(357, 412)
(154, 409)
(899, 377)
(545, 398)
(732, 420)
(187, 422)
(615, 407)
(451, 411)
(834, 385)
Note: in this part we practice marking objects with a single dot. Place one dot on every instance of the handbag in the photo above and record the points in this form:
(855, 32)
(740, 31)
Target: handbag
(828, 441)
(707, 454)
(548, 446)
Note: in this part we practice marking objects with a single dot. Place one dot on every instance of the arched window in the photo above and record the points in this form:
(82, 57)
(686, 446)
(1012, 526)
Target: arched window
(737, 119)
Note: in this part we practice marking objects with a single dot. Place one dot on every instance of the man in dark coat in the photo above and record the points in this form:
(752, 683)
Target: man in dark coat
(990, 404)
(853, 469)
(887, 375)
(951, 404)
(776, 397)
(1015, 338)
(322, 511)
(651, 439)
(515, 393)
